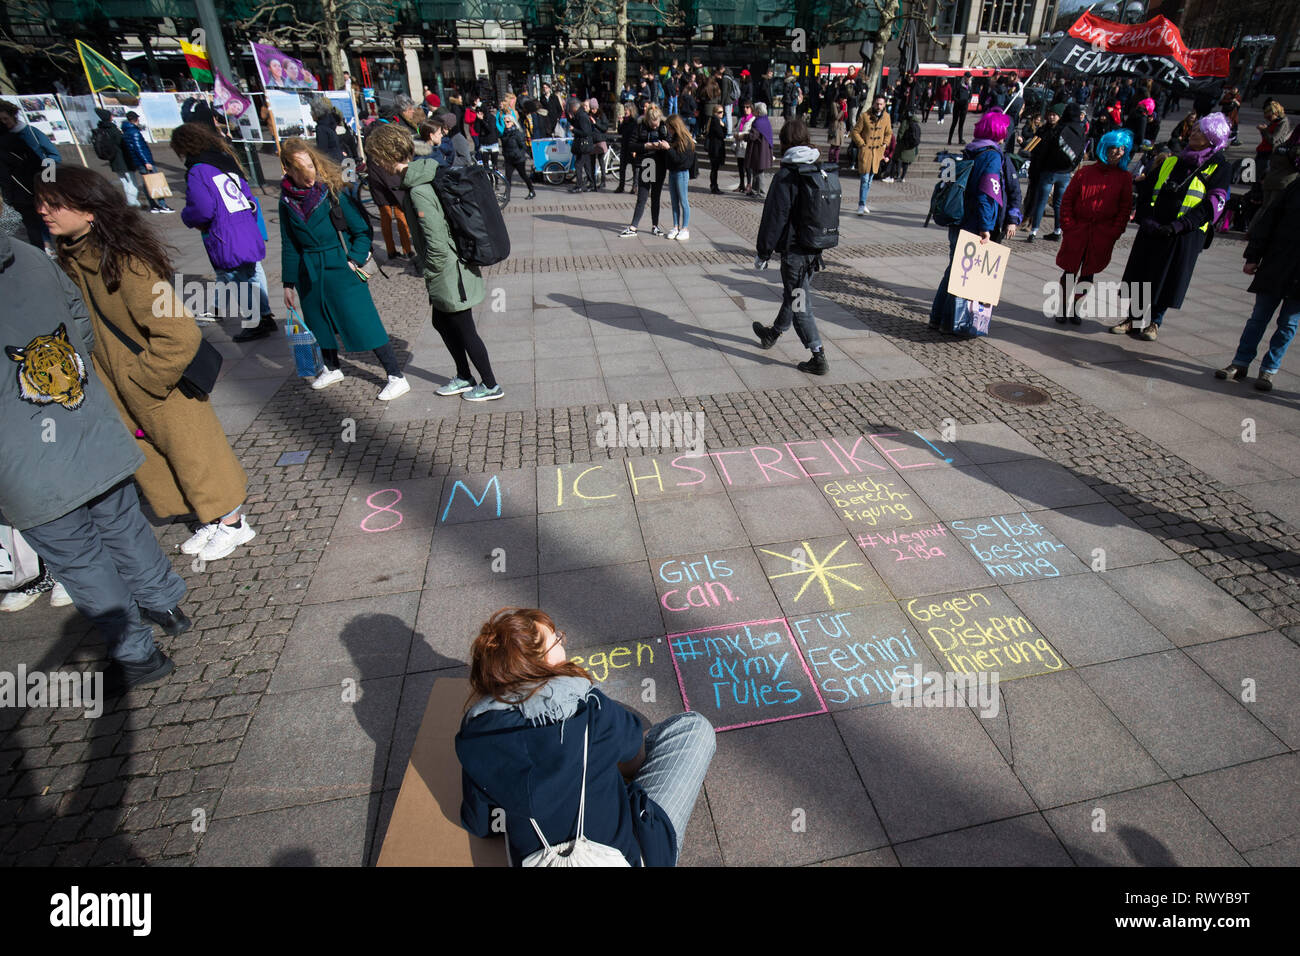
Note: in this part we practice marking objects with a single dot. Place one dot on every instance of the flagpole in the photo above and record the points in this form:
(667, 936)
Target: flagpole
(1025, 83)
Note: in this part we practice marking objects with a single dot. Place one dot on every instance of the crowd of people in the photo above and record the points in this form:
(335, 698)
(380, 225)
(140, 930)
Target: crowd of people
(117, 369)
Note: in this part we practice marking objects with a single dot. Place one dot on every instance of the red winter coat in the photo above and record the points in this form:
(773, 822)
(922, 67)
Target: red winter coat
(1094, 214)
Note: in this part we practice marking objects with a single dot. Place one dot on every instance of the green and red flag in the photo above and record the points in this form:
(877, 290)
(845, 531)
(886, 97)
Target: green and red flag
(102, 74)
(196, 57)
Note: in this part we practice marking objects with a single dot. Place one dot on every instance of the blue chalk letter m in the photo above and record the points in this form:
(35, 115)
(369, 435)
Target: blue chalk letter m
(493, 482)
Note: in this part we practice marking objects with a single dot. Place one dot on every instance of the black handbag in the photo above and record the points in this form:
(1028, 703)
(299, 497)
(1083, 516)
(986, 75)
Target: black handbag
(199, 377)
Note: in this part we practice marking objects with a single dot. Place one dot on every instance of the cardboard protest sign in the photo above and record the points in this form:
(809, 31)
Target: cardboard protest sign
(978, 269)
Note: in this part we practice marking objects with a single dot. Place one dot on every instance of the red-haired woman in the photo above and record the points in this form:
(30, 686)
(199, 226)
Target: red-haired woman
(536, 729)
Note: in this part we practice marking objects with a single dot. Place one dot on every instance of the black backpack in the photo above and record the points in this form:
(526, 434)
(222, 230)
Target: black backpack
(473, 215)
(106, 141)
(911, 137)
(817, 220)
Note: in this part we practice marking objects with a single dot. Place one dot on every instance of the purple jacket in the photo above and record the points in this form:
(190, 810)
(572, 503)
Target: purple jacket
(219, 202)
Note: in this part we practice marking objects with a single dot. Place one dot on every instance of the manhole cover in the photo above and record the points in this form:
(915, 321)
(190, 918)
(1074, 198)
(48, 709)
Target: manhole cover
(1018, 393)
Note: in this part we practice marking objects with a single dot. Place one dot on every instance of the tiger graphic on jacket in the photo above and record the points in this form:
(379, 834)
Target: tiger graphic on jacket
(50, 371)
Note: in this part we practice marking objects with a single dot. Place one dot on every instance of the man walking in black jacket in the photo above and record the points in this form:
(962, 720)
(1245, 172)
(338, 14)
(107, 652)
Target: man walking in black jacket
(777, 233)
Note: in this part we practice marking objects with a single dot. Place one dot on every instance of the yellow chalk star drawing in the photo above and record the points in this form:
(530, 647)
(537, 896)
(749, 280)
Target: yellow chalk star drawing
(817, 570)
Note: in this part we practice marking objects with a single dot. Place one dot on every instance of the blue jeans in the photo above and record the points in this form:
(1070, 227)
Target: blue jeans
(264, 292)
(241, 293)
(672, 105)
(863, 186)
(678, 184)
(796, 274)
(677, 756)
(1257, 324)
(1046, 183)
(106, 555)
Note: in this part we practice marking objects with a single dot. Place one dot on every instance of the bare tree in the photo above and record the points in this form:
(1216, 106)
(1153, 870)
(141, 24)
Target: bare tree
(889, 11)
(24, 30)
(587, 20)
(281, 23)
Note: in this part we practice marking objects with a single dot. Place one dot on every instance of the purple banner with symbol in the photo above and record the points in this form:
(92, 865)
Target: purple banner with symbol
(227, 98)
(279, 71)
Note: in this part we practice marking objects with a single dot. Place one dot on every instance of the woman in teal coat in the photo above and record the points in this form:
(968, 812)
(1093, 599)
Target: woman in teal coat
(336, 302)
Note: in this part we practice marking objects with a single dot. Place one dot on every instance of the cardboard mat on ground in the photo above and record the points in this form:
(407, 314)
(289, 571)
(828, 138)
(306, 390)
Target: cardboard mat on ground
(425, 827)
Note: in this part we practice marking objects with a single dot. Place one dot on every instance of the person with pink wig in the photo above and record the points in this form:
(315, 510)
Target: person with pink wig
(992, 204)
(1178, 203)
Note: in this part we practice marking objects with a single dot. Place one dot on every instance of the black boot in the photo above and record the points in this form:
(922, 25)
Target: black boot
(259, 331)
(121, 676)
(817, 365)
(766, 336)
(174, 622)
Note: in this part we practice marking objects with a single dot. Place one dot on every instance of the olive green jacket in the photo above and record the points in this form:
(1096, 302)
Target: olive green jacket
(453, 286)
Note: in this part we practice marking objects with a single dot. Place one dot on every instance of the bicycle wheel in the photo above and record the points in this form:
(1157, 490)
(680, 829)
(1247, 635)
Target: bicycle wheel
(501, 186)
(554, 172)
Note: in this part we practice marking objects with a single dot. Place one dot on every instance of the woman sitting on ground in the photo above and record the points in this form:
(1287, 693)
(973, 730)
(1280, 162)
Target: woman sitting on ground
(536, 729)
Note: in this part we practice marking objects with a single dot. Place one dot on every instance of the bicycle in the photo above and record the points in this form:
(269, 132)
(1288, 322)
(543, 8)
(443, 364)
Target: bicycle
(553, 159)
(500, 184)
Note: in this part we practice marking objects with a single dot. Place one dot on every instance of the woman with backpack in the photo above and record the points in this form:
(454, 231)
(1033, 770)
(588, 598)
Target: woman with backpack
(988, 207)
(324, 241)
(907, 147)
(778, 232)
(106, 141)
(540, 742)
(680, 159)
(454, 288)
(219, 203)
(144, 344)
(1094, 214)
(649, 160)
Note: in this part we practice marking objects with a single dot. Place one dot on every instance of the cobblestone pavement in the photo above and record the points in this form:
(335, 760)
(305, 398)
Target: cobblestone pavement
(246, 755)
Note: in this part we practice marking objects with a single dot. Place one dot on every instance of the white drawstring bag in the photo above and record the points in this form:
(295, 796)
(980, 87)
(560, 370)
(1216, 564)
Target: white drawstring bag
(579, 851)
(18, 562)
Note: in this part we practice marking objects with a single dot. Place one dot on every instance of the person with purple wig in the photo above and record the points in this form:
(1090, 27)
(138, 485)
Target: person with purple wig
(990, 209)
(1177, 205)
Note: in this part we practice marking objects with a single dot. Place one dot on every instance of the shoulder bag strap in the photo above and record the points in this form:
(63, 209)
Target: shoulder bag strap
(130, 343)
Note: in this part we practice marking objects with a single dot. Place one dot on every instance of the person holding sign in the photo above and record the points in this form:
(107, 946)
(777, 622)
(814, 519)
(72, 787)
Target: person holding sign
(1094, 214)
(988, 210)
(545, 755)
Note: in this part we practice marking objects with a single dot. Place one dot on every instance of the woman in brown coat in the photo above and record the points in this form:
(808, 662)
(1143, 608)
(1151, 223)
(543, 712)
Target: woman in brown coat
(124, 274)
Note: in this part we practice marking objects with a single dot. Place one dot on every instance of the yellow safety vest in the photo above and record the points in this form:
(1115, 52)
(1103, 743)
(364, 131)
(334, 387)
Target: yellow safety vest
(1195, 189)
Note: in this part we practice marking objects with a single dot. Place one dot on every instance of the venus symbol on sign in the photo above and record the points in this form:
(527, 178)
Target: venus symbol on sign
(381, 509)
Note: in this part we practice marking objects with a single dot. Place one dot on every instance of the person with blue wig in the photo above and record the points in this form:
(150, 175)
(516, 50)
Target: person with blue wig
(992, 204)
(1094, 214)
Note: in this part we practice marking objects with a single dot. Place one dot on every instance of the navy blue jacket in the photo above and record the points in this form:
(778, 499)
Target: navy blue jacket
(528, 771)
(138, 154)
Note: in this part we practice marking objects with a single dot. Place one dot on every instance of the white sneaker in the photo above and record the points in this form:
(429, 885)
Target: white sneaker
(199, 539)
(226, 539)
(683, 236)
(331, 376)
(672, 233)
(888, 179)
(862, 210)
(397, 386)
(60, 597)
(26, 596)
